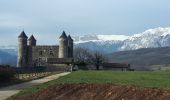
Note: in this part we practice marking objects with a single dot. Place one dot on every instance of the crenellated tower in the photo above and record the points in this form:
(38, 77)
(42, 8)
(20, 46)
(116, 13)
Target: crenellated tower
(22, 50)
(63, 46)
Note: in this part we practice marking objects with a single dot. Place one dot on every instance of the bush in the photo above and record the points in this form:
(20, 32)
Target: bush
(80, 63)
(6, 73)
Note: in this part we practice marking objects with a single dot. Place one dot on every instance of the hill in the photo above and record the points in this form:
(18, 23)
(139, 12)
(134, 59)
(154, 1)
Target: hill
(143, 59)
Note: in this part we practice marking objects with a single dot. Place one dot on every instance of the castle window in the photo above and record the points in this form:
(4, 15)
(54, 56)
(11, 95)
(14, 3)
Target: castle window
(51, 52)
(40, 59)
(41, 53)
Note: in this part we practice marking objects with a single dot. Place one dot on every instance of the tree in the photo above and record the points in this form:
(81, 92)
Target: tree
(98, 59)
(81, 55)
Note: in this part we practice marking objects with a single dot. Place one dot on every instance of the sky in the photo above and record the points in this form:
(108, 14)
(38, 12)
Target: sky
(46, 19)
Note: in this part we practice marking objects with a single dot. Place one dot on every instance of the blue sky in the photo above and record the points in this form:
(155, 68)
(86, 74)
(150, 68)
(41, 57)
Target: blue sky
(48, 18)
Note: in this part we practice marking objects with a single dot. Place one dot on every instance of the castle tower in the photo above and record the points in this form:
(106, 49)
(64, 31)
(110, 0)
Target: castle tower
(70, 47)
(63, 46)
(22, 50)
(32, 41)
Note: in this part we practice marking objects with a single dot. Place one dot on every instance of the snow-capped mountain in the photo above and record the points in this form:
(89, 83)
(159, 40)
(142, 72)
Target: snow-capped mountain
(151, 38)
(158, 37)
(98, 38)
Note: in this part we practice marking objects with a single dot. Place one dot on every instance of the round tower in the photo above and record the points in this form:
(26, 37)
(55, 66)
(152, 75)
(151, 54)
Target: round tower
(22, 50)
(63, 46)
(70, 47)
(32, 41)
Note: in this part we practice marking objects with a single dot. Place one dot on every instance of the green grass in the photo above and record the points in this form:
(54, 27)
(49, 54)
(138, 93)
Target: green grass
(159, 79)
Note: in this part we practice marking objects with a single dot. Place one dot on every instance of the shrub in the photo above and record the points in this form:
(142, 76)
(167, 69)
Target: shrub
(6, 73)
(80, 63)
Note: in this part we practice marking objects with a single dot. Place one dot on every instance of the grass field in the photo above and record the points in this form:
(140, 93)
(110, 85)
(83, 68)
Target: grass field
(159, 79)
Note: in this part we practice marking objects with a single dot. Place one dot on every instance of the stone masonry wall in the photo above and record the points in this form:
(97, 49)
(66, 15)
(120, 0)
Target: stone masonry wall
(41, 53)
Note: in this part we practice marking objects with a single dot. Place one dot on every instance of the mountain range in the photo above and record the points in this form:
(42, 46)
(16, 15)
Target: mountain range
(151, 38)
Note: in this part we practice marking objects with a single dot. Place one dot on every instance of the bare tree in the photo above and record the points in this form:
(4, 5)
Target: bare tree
(98, 58)
(89, 57)
(81, 54)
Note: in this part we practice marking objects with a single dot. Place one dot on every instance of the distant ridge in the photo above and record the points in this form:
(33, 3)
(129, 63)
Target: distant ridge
(7, 58)
(143, 59)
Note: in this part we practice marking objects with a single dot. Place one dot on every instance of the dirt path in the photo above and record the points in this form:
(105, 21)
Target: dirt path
(11, 90)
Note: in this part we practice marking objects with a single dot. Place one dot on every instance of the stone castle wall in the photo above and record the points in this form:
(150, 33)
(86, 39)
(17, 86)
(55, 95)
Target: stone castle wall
(39, 54)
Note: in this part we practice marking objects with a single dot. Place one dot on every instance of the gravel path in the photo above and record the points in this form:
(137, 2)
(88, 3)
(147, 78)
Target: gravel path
(11, 90)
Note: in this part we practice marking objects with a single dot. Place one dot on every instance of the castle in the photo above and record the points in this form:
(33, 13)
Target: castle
(32, 55)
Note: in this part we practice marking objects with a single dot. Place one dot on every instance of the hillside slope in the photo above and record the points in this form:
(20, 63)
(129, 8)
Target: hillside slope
(142, 58)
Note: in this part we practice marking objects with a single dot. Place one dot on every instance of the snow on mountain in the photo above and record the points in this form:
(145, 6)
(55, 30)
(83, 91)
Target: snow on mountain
(112, 37)
(151, 38)
(99, 38)
(105, 43)
(158, 37)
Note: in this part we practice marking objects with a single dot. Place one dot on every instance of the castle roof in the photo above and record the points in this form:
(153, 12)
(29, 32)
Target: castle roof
(32, 38)
(69, 38)
(22, 35)
(63, 35)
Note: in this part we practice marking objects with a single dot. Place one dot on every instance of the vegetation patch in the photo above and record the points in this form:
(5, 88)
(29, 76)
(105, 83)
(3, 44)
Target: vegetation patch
(6, 73)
